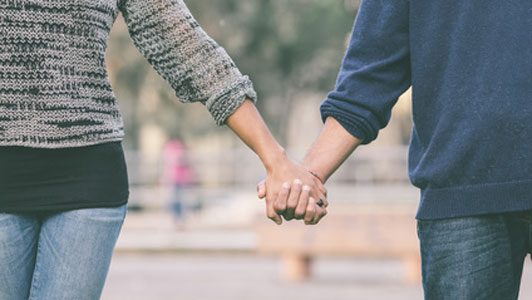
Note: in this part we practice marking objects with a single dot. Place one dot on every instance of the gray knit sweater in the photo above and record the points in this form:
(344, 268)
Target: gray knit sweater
(54, 88)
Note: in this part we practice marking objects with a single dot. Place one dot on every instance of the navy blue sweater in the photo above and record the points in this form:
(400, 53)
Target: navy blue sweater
(470, 67)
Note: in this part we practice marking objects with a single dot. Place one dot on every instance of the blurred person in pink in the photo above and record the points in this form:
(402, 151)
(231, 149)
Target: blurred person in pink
(178, 174)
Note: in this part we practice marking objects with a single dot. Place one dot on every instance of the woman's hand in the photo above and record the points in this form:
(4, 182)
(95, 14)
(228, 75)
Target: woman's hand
(292, 191)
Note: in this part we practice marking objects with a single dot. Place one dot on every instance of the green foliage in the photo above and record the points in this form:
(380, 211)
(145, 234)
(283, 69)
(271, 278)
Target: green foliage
(284, 45)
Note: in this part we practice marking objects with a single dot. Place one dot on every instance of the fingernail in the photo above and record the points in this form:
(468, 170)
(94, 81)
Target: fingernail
(297, 181)
(306, 188)
(279, 222)
(286, 185)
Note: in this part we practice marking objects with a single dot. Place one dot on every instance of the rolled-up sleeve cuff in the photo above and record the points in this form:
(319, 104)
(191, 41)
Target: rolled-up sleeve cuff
(356, 125)
(224, 104)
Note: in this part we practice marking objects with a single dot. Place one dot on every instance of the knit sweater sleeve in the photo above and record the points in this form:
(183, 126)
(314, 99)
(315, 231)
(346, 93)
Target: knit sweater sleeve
(195, 66)
(375, 70)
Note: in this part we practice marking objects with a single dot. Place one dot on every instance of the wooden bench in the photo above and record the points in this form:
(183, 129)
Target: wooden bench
(362, 231)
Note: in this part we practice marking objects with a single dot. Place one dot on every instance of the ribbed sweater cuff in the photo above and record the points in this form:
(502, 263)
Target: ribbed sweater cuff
(354, 125)
(225, 103)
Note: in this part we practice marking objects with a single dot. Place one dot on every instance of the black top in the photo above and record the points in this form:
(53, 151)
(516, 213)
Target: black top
(33, 179)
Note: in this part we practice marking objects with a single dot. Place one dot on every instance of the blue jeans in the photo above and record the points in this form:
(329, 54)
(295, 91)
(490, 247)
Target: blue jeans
(474, 257)
(57, 256)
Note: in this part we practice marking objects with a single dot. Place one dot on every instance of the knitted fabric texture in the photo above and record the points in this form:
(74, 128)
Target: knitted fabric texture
(54, 87)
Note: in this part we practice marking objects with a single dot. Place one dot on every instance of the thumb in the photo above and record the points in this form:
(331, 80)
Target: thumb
(261, 189)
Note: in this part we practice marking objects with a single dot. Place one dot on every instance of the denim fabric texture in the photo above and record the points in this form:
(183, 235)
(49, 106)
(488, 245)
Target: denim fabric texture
(474, 257)
(57, 256)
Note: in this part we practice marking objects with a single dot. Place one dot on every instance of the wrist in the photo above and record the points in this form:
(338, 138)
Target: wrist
(315, 171)
(315, 174)
(274, 157)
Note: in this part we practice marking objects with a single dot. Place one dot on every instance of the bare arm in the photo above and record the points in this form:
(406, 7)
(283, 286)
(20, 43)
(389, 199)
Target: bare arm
(249, 126)
(330, 150)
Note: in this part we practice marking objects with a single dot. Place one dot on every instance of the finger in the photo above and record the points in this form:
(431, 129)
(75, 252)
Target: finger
(310, 213)
(302, 202)
(320, 213)
(295, 191)
(316, 192)
(323, 198)
(323, 212)
(280, 203)
(270, 212)
(261, 189)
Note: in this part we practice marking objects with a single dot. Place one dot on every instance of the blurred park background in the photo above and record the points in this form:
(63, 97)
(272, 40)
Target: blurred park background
(195, 229)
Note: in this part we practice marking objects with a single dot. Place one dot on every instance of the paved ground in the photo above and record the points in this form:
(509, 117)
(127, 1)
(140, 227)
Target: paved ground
(176, 270)
(245, 276)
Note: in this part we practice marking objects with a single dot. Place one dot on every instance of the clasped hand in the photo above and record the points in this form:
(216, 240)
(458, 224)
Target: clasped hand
(292, 192)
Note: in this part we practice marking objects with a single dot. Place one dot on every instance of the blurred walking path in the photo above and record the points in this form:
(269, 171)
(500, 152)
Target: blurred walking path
(246, 277)
(213, 255)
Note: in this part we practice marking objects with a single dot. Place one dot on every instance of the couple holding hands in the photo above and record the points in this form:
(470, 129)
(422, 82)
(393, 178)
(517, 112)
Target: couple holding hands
(293, 190)
(63, 179)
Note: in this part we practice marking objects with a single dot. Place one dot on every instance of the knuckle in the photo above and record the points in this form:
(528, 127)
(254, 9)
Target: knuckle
(299, 213)
(279, 206)
(277, 212)
(291, 205)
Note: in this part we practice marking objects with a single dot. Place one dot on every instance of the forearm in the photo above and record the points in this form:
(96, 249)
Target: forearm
(247, 123)
(330, 150)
